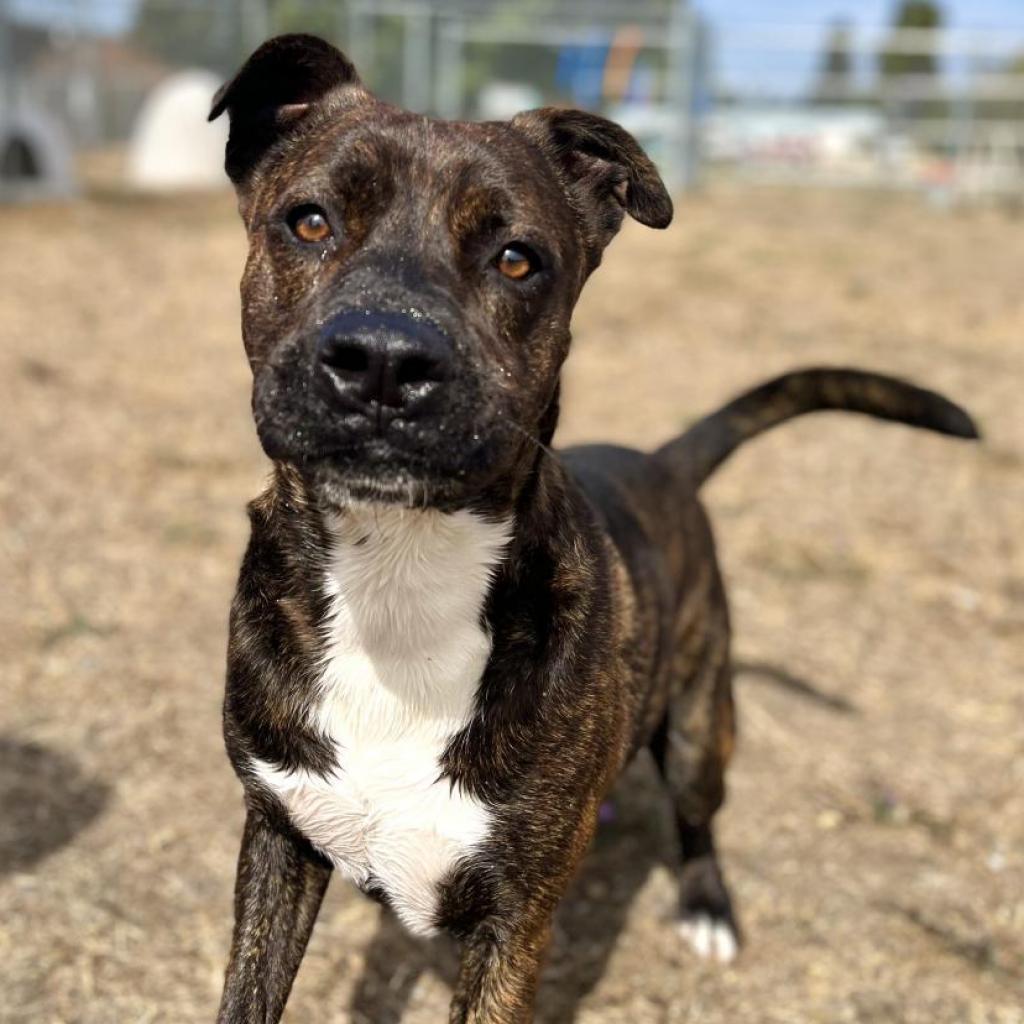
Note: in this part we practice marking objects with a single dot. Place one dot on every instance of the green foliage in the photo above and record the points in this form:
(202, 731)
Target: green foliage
(219, 35)
(836, 82)
(894, 62)
(909, 76)
(1009, 107)
(320, 17)
(193, 35)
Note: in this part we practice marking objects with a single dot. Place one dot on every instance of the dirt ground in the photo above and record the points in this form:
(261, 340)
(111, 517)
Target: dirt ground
(874, 834)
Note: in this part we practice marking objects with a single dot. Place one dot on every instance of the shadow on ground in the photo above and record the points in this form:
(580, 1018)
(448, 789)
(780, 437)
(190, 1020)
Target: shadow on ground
(763, 671)
(46, 802)
(592, 916)
(638, 838)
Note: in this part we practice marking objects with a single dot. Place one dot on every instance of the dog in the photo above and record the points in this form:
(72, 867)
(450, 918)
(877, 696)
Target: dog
(448, 639)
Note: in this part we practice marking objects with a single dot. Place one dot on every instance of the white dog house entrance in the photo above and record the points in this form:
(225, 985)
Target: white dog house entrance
(173, 145)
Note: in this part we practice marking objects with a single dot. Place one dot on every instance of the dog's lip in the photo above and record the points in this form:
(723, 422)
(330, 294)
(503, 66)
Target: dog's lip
(388, 480)
(375, 461)
(372, 455)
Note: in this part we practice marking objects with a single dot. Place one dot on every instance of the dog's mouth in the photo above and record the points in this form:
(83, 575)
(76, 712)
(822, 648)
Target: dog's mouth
(440, 465)
(371, 441)
(335, 489)
(383, 475)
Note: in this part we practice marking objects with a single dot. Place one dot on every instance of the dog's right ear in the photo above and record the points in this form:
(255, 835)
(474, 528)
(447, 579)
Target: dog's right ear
(275, 89)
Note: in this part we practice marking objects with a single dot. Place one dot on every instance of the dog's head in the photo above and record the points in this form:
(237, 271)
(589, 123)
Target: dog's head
(410, 282)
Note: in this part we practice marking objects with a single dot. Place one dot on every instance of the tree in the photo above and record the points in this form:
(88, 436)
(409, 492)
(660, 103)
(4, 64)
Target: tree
(193, 35)
(899, 61)
(219, 34)
(320, 17)
(908, 66)
(1006, 107)
(835, 83)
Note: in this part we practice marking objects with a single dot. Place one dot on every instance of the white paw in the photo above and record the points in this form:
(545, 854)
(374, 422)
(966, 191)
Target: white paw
(710, 938)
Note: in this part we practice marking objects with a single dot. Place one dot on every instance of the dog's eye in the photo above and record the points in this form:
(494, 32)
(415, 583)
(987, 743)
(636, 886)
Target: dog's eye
(310, 224)
(517, 262)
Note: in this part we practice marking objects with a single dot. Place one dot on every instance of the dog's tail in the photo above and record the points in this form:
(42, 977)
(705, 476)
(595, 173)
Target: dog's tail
(710, 441)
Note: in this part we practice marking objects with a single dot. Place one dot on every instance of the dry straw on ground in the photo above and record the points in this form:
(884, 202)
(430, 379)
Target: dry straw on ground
(875, 830)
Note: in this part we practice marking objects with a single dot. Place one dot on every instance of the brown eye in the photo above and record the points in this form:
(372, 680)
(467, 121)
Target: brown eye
(310, 224)
(516, 262)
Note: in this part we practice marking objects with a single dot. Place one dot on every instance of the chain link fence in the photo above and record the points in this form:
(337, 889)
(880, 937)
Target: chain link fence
(938, 110)
(941, 111)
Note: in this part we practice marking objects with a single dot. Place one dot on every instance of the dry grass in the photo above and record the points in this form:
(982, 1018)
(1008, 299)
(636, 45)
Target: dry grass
(875, 831)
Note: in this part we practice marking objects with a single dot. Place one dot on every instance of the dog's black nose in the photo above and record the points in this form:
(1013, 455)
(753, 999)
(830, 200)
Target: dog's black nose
(388, 360)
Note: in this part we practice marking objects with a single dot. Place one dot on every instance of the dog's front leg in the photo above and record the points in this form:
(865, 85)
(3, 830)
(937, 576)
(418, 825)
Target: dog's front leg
(281, 882)
(500, 965)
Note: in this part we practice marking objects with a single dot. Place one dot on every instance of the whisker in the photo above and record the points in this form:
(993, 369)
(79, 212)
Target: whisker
(529, 437)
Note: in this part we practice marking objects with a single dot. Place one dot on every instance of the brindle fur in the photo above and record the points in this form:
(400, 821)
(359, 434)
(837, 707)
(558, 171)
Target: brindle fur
(608, 616)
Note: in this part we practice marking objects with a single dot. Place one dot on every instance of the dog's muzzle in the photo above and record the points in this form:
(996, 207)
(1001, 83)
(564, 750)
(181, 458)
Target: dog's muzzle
(383, 365)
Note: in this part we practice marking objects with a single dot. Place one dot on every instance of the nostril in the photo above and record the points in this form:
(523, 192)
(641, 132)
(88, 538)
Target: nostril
(417, 370)
(350, 357)
(386, 361)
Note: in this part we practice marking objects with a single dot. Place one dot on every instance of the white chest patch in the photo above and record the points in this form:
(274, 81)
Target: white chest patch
(405, 653)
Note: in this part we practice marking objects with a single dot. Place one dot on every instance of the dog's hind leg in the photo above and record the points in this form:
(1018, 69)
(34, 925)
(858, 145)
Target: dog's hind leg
(691, 747)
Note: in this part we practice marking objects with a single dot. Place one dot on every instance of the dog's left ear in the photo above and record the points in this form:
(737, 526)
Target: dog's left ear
(603, 168)
(275, 89)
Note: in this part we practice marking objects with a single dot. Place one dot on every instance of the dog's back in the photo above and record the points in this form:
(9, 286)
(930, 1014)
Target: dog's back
(671, 596)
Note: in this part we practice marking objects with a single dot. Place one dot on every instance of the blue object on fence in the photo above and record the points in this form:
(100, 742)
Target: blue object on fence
(580, 70)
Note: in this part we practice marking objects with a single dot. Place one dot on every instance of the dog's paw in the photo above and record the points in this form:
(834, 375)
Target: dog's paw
(707, 921)
(710, 938)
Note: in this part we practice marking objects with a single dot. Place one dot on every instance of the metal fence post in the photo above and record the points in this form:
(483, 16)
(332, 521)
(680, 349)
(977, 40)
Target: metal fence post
(683, 79)
(8, 87)
(451, 52)
(362, 38)
(416, 43)
(255, 23)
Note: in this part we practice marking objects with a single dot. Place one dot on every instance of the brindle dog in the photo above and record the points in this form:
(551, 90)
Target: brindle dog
(447, 639)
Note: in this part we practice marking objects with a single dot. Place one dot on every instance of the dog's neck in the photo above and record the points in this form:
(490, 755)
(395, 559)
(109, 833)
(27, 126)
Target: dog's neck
(405, 643)
(405, 582)
(460, 585)
(402, 567)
